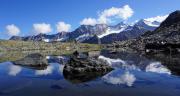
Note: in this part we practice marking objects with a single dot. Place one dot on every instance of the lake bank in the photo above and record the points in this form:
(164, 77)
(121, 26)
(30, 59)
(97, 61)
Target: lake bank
(8, 45)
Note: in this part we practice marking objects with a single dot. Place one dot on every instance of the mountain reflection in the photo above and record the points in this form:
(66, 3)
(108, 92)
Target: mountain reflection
(84, 67)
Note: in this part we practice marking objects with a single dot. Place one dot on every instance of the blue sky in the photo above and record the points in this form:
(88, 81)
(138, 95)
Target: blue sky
(24, 13)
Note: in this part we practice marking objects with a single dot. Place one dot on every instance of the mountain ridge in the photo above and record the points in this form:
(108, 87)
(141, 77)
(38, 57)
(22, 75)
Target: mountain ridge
(86, 33)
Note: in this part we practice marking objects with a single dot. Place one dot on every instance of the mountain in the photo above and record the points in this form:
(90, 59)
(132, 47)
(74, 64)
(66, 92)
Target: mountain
(43, 37)
(122, 31)
(87, 31)
(98, 33)
(166, 35)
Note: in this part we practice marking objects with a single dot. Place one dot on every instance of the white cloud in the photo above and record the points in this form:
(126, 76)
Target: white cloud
(157, 18)
(88, 21)
(62, 26)
(42, 28)
(107, 15)
(12, 30)
(124, 13)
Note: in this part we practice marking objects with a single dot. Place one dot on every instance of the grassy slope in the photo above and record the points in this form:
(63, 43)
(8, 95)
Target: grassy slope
(14, 50)
(7, 45)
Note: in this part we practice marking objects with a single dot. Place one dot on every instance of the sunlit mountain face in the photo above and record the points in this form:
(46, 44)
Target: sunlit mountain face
(129, 71)
(104, 32)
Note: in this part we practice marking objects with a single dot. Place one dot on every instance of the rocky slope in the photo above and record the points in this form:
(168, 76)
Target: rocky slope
(167, 35)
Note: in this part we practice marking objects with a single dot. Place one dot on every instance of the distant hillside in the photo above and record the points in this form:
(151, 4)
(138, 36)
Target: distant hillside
(8, 45)
(165, 36)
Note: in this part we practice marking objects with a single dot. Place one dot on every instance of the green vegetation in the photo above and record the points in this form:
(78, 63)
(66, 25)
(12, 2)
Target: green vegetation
(14, 50)
(7, 45)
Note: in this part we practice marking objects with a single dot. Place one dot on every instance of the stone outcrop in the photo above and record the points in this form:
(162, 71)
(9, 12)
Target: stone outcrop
(167, 35)
(83, 68)
(36, 61)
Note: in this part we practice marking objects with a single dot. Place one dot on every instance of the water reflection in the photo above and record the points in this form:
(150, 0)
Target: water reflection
(36, 61)
(91, 74)
(46, 71)
(14, 70)
(115, 78)
(82, 68)
(157, 67)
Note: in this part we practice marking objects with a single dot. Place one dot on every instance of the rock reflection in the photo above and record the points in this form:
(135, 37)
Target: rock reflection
(170, 60)
(161, 63)
(81, 68)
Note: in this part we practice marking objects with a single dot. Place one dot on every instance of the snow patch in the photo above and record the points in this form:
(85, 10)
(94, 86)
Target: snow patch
(153, 24)
(111, 31)
(83, 37)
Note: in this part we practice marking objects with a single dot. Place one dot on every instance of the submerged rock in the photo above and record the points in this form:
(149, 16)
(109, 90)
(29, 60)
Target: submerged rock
(36, 61)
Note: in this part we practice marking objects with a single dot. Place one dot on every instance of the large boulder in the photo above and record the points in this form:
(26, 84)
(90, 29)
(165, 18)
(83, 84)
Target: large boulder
(82, 68)
(36, 60)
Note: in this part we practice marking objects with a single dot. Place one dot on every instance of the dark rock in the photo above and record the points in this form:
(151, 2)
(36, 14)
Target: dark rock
(81, 70)
(36, 61)
(167, 35)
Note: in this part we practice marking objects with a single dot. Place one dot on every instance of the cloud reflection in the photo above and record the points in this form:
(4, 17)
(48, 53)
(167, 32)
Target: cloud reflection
(157, 67)
(127, 78)
(14, 70)
(118, 63)
(47, 71)
(61, 67)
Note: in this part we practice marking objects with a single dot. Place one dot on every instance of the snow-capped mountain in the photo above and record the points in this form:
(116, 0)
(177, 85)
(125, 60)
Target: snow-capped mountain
(124, 31)
(150, 25)
(114, 29)
(62, 36)
(91, 34)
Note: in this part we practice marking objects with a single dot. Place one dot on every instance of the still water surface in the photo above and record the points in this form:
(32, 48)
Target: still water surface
(133, 75)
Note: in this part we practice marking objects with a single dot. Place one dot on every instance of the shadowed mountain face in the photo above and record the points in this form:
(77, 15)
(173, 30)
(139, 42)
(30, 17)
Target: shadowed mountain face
(167, 35)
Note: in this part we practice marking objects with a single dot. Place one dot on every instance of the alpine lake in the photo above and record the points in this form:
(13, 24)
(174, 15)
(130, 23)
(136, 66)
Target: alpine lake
(92, 73)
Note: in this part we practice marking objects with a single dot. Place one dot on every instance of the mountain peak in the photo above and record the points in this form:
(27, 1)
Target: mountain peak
(173, 18)
(148, 23)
